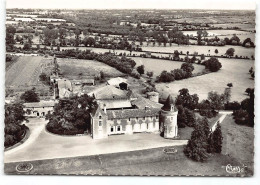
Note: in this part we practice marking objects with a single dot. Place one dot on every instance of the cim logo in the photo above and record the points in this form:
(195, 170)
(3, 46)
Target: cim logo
(235, 169)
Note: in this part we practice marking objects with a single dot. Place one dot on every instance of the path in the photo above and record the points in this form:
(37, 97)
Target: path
(224, 114)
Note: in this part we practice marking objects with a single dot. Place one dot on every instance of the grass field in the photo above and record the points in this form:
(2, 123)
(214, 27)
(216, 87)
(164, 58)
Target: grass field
(232, 71)
(141, 162)
(238, 141)
(242, 35)
(240, 51)
(71, 68)
(25, 71)
(157, 66)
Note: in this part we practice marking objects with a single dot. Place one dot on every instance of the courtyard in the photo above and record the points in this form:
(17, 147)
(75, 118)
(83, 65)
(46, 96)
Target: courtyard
(44, 145)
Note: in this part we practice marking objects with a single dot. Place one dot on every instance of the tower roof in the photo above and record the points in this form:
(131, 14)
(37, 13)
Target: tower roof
(168, 103)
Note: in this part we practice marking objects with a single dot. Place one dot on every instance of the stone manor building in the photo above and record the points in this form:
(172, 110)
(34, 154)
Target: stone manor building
(128, 121)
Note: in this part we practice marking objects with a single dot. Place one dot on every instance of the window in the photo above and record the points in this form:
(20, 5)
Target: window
(129, 119)
(100, 117)
(157, 117)
(118, 128)
(112, 129)
(171, 118)
(143, 118)
(100, 123)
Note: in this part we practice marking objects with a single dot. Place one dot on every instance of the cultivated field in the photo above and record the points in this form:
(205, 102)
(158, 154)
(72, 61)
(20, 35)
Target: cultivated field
(232, 71)
(25, 71)
(157, 65)
(77, 69)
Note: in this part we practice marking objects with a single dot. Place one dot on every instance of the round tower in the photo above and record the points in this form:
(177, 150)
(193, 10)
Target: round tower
(169, 114)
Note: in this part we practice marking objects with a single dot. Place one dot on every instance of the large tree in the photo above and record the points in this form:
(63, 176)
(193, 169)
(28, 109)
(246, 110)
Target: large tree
(217, 139)
(30, 96)
(71, 116)
(14, 131)
(212, 64)
(196, 148)
(186, 100)
(140, 69)
(230, 52)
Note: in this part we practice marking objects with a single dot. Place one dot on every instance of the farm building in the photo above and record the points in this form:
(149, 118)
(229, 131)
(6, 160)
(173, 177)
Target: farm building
(38, 109)
(116, 81)
(64, 88)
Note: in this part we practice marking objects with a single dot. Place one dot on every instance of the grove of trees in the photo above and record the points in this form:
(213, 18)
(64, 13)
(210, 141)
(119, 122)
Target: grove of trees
(14, 131)
(71, 116)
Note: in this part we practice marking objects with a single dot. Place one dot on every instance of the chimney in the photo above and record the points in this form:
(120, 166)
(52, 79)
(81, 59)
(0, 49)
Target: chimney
(105, 109)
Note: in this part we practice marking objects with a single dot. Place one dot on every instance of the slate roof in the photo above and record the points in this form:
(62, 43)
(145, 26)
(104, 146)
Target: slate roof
(115, 104)
(168, 103)
(116, 81)
(64, 83)
(39, 104)
(142, 102)
(132, 113)
(109, 92)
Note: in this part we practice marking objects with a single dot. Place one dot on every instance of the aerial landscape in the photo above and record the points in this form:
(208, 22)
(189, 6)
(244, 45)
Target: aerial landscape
(150, 92)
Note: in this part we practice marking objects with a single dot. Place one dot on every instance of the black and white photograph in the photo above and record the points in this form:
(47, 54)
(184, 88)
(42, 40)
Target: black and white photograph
(129, 88)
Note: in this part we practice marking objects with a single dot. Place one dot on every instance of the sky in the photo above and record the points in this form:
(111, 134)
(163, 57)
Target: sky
(133, 4)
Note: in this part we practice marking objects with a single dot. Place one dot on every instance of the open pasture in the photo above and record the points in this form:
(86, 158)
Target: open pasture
(240, 51)
(232, 71)
(77, 69)
(157, 65)
(25, 71)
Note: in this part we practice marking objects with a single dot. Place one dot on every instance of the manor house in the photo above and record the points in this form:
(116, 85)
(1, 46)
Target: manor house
(123, 112)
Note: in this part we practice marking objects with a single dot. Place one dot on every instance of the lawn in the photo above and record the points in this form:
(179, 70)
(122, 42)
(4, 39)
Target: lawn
(185, 133)
(157, 65)
(80, 69)
(141, 162)
(238, 141)
(232, 71)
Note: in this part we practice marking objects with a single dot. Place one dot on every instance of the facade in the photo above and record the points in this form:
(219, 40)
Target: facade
(128, 121)
(38, 109)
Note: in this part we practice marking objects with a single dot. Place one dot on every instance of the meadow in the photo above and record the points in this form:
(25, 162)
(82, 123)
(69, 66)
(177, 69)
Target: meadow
(78, 69)
(232, 71)
(157, 65)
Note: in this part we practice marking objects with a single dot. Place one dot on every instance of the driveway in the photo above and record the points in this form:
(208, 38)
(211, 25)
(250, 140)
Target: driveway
(43, 145)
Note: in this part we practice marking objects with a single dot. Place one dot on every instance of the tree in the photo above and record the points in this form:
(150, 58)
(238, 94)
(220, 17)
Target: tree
(71, 116)
(186, 100)
(217, 139)
(199, 33)
(230, 52)
(140, 69)
(212, 64)
(216, 100)
(216, 51)
(30, 96)
(196, 148)
(14, 131)
(249, 91)
(202, 57)
(230, 85)
(44, 78)
(188, 68)
(149, 74)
